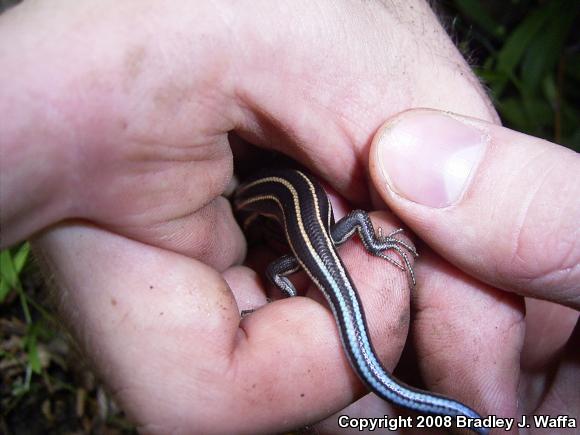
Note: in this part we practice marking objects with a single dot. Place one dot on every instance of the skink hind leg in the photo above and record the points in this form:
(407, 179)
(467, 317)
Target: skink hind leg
(374, 242)
(276, 272)
(279, 269)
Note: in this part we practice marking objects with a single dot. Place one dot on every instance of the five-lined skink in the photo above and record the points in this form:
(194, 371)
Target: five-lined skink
(300, 205)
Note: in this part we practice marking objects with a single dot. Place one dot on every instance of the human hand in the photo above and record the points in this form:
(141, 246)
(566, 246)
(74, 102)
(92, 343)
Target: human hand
(134, 146)
(499, 211)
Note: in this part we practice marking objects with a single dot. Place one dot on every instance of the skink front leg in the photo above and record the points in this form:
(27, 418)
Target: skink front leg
(375, 243)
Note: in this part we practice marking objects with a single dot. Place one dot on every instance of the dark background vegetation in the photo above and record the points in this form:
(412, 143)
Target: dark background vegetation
(527, 53)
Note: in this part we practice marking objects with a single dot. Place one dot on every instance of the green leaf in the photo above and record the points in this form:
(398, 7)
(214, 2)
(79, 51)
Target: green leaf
(33, 357)
(549, 89)
(4, 290)
(474, 10)
(10, 268)
(8, 274)
(21, 257)
(511, 110)
(539, 113)
(493, 79)
(545, 47)
(518, 41)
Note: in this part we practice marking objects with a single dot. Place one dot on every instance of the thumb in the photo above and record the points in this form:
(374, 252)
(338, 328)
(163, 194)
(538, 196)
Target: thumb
(501, 205)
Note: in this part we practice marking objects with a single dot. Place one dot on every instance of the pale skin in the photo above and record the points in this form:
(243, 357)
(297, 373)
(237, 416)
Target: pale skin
(117, 126)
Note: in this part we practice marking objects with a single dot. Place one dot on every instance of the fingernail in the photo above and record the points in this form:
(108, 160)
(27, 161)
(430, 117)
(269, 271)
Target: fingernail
(429, 157)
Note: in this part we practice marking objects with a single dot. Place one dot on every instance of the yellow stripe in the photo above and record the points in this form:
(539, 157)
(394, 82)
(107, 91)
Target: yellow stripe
(296, 200)
(325, 233)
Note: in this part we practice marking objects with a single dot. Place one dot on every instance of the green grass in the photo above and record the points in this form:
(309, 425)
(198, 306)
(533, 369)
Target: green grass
(527, 53)
(43, 387)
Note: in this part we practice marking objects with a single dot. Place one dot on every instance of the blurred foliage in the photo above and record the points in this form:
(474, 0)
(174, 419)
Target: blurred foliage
(528, 55)
(43, 387)
(526, 52)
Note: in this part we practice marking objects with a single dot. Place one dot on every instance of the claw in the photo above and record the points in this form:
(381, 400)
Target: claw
(397, 231)
(408, 247)
(392, 261)
(396, 245)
